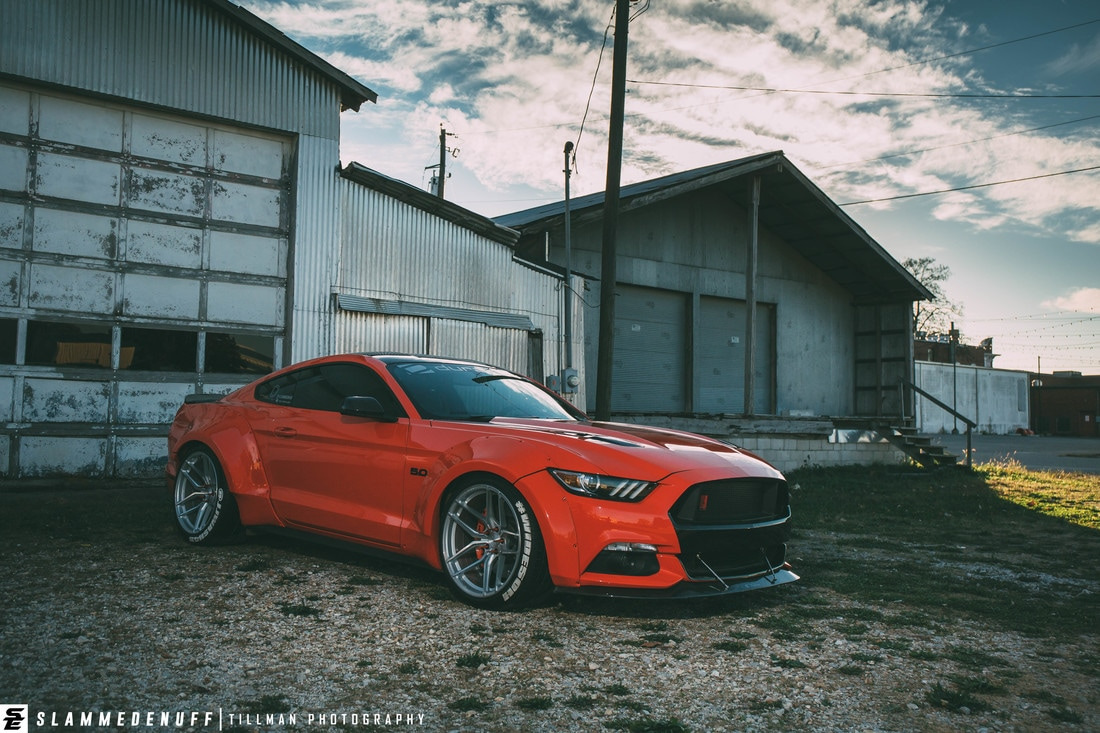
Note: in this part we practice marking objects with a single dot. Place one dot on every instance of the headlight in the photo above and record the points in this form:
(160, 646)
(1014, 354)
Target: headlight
(603, 487)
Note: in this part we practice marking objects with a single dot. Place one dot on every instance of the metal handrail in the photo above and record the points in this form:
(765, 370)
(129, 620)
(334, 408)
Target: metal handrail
(902, 383)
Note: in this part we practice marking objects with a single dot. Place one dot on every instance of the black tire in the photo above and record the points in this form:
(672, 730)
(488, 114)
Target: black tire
(205, 510)
(491, 548)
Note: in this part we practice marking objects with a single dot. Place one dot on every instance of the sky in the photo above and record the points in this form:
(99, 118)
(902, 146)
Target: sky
(967, 131)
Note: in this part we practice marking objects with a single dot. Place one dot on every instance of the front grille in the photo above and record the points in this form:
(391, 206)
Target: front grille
(733, 527)
(727, 556)
(732, 501)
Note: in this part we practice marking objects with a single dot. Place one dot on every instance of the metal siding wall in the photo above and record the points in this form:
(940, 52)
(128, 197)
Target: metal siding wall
(181, 54)
(392, 250)
(316, 248)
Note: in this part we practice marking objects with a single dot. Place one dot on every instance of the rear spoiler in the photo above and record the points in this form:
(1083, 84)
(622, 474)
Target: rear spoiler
(193, 399)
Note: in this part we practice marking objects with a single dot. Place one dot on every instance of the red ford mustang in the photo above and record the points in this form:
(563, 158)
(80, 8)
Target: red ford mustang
(480, 473)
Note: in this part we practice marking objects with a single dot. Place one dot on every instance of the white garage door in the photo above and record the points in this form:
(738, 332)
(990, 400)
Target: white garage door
(142, 256)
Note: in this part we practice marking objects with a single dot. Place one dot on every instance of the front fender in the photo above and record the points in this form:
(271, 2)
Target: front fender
(522, 464)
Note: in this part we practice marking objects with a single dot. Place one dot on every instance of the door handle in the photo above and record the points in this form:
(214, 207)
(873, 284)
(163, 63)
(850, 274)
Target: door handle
(284, 432)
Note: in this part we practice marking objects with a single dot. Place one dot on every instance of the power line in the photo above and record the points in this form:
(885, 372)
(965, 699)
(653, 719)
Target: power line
(924, 95)
(967, 188)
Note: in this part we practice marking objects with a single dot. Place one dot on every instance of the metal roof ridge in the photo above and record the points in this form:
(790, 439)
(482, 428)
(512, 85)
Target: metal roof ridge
(354, 92)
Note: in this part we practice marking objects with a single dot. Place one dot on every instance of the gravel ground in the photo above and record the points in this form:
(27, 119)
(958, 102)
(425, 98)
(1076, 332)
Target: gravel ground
(274, 634)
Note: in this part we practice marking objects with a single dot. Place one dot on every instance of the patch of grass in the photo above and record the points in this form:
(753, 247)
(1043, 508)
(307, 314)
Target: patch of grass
(544, 638)
(894, 645)
(580, 702)
(253, 565)
(976, 545)
(783, 627)
(647, 725)
(469, 704)
(977, 685)
(473, 660)
(851, 670)
(273, 704)
(730, 645)
(298, 609)
(534, 703)
(408, 667)
(864, 657)
(956, 701)
(362, 581)
(787, 662)
(975, 658)
(1065, 715)
(617, 689)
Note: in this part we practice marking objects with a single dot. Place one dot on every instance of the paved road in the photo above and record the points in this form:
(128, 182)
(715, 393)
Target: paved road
(1038, 452)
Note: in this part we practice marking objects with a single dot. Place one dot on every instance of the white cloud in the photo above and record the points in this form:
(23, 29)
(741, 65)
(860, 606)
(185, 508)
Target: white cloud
(1085, 300)
(512, 79)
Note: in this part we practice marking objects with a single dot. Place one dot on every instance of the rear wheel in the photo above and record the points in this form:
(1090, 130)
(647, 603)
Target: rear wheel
(493, 556)
(204, 509)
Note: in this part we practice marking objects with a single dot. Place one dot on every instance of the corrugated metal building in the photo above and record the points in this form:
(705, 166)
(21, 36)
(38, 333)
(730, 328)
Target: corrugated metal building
(170, 222)
(422, 275)
(697, 252)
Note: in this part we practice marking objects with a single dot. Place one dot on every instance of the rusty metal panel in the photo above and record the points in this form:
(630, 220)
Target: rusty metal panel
(238, 303)
(170, 140)
(7, 406)
(13, 168)
(11, 225)
(72, 290)
(11, 277)
(139, 457)
(78, 179)
(164, 244)
(248, 253)
(160, 297)
(75, 233)
(65, 400)
(45, 455)
(170, 53)
(166, 193)
(151, 402)
(80, 123)
(14, 111)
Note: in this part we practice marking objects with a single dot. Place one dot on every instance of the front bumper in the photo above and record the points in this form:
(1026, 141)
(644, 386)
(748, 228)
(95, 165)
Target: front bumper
(707, 534)
(689, 589)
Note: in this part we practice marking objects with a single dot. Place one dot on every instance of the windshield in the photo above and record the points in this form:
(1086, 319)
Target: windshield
(448, 391)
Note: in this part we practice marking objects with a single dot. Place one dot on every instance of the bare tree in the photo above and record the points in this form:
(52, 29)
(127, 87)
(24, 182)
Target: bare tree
(933, 316)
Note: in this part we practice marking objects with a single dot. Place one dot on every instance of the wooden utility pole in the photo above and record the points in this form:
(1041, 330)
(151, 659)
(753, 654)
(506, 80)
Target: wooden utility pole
(606, 353)
(442, 161)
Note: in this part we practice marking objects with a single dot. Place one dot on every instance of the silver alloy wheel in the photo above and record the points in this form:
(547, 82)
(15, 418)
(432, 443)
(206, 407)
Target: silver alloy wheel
(482, 541)
(197, 493)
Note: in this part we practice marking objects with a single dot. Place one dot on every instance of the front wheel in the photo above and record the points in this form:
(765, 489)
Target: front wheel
(204, 509)
(492, 552)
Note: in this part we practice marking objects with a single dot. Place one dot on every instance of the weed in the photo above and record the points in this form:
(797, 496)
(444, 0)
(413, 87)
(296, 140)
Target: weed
(256, 563)
(580, 702)
(786, 662)
(956, 701)
(851, 670)
(272, 704)
(298, 609)
(408, 667)
(730, 646)
(473, 660)
(534, 703)
(469, 704)
(647, 725)
(617, 689)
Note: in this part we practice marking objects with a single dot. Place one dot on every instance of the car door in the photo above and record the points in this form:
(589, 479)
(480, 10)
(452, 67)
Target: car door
(328, 471)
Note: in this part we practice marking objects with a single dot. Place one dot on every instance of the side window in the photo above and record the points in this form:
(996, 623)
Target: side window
(326, 387)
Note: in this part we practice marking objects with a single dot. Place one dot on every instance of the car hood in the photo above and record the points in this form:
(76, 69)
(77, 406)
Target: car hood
(623, 448)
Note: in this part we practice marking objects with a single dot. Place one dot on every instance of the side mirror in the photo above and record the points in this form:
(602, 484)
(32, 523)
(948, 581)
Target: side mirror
(368, 407)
